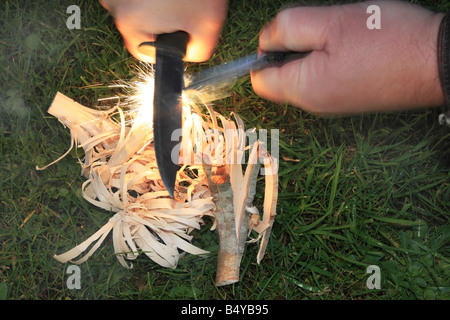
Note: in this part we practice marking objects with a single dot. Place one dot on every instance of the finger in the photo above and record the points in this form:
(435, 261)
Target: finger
(201, 46)
(297, 29)
(133, 38)
(204, 36)
(280, 84)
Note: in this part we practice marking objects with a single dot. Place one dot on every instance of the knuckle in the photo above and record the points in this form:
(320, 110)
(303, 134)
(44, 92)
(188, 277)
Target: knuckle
(281, 25)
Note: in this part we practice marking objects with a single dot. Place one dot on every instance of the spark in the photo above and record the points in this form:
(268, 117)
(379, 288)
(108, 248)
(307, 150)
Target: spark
(137, 102)
(142, 100)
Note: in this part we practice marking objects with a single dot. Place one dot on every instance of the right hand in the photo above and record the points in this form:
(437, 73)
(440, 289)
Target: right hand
(353, 69)
(142, 20)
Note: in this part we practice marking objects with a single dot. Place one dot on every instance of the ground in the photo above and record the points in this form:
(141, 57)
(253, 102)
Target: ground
(354, 192)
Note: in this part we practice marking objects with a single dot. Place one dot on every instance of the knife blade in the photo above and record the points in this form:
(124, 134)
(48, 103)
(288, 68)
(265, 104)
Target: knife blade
(169, 50)
(225, 74)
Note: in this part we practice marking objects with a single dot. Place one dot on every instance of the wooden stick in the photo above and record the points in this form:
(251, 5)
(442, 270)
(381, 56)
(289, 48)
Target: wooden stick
(230, 250)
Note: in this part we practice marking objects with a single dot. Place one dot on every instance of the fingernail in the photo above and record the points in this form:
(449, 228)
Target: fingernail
(260, 52)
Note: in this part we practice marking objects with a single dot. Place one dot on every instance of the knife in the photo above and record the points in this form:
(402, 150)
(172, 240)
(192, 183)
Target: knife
(169, 50)
(225, 74)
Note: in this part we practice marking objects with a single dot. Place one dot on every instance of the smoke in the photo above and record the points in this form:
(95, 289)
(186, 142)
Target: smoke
(13, 109)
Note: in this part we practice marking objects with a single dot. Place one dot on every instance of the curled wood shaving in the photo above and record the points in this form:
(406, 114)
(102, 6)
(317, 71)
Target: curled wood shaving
(122, 178)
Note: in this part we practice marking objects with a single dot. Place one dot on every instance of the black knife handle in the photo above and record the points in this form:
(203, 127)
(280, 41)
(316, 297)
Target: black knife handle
(282, 57)
(171, 43)
(226, 74)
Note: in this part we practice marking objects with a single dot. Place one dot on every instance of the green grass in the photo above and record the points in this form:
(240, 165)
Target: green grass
(355, 191)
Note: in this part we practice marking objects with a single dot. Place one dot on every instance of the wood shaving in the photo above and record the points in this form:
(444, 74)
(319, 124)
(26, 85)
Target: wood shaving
(122, 177)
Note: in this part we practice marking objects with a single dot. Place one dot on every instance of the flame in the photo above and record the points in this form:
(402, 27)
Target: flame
(141, 97)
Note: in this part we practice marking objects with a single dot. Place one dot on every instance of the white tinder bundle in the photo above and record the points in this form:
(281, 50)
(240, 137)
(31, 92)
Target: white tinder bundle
(122, 177)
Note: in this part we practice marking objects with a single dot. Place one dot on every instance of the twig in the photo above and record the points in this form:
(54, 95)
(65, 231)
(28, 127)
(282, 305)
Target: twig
(230, 251)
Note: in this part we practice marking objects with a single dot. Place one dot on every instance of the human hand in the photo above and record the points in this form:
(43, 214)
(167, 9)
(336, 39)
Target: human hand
(139, 21)
(352, 68)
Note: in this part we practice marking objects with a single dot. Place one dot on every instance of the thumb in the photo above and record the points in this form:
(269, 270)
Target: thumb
(133, 36)
(297, 29)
